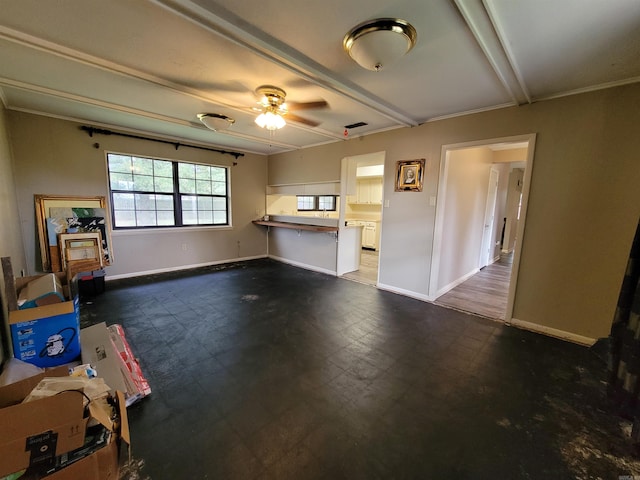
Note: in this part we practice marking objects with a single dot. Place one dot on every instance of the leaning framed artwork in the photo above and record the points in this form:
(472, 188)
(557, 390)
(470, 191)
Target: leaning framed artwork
(409, 175)
(56, 214)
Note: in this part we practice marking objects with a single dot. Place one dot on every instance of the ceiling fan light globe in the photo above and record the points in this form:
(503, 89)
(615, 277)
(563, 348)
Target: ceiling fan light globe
(270, 121)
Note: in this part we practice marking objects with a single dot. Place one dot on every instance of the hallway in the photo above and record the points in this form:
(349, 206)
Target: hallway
(484, 294)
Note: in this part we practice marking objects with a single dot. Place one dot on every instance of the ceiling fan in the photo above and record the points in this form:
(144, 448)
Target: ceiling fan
(273, 108)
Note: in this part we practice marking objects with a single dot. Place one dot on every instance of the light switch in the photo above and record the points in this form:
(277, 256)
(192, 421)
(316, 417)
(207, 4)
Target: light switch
(432, 201)
(386, 204)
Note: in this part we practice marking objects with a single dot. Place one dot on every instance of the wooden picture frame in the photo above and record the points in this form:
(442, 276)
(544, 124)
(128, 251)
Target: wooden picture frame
(50, 254)
(409, 175)
(80, 246)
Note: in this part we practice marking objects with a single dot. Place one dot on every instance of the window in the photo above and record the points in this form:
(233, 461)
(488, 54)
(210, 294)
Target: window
(306, 202)
(316, 202)
(147, 192)
(327, 202)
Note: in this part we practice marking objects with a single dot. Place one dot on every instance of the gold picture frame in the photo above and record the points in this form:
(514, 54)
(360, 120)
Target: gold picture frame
(48, 252)
(409, 175)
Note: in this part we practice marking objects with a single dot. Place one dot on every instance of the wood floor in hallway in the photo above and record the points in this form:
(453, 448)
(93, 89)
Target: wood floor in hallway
(485, 293)
(368, 272)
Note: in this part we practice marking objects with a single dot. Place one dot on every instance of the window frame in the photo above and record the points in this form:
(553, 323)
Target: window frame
(176, 195)
(316, 203)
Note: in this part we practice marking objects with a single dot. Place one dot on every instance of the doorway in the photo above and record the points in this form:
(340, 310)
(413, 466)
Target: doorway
(362, 188)
(470, 259)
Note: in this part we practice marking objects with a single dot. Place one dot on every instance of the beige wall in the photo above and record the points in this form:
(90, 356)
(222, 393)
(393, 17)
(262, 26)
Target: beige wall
(510, 155)
(583, 208)
(55, 157)
(10, 234)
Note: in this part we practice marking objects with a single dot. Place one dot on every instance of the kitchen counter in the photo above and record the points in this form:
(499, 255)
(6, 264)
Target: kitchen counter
(296, 226)
(295, 240)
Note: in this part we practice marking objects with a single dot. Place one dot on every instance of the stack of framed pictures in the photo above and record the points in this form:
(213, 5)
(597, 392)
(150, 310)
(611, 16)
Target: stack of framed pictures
(58, 215)
(76, 247)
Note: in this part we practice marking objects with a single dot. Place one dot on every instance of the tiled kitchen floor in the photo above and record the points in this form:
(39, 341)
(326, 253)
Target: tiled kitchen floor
(262, 370)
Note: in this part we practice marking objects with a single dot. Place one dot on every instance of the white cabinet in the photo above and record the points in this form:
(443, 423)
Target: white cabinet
(362, 192)
(370, 235)
(326, 188)
(369, 190)
(375, 191)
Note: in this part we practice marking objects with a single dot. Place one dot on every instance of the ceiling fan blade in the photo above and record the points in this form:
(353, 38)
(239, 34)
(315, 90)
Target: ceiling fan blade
(304, 121)
(307, 105)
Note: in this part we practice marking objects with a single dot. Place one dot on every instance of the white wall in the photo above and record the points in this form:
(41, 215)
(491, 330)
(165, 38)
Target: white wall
(465, 200)
(55, 157)
(314, 250)
(501, 203)
(516, 177)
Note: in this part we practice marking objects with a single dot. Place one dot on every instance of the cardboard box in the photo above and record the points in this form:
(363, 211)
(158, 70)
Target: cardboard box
(101, 465)
(37, 431)
(49, 435)
(47, 336)
(99, 350)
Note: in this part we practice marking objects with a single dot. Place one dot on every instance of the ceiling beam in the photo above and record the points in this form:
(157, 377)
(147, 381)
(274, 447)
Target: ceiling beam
(481, 21)
(220, 21)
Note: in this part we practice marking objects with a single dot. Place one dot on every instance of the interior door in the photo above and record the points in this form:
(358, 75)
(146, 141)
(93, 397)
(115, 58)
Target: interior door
(486, 254)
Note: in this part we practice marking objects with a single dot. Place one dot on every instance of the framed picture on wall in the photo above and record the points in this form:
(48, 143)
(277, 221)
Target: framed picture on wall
(409, 175)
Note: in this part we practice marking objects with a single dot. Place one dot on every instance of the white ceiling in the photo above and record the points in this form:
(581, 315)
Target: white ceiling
(149, 67)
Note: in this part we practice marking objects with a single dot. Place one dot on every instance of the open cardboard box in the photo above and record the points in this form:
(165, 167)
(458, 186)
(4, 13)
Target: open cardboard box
(47, 432)
(47, 336)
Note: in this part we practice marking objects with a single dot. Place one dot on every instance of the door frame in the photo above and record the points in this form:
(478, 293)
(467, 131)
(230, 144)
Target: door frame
(530, 139)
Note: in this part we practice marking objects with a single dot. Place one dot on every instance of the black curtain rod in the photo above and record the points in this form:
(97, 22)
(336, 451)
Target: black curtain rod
(102, 131)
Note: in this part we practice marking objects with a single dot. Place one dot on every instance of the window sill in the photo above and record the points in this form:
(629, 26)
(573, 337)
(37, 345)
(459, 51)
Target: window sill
(152, 231)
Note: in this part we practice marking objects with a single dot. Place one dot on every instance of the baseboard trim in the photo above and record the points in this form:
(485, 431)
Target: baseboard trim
(406, 293)
(306, 266)
(109, 278)
(455, 283)
(553, 332)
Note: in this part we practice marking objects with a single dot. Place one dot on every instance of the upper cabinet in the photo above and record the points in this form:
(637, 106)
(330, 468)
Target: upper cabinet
(369, 191)
(326, 188)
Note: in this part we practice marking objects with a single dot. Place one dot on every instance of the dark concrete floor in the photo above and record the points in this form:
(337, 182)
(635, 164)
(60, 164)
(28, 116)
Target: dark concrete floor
(262, 370)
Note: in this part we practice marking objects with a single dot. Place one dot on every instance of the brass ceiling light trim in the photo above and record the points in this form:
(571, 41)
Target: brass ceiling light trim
(377, 43)
(271, 96)
(215, 121)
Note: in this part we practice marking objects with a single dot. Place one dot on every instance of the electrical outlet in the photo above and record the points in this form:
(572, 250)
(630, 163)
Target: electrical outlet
(184, 247)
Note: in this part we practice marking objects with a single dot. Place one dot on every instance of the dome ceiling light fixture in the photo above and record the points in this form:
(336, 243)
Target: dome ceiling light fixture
(216, 121)
(375, 44)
